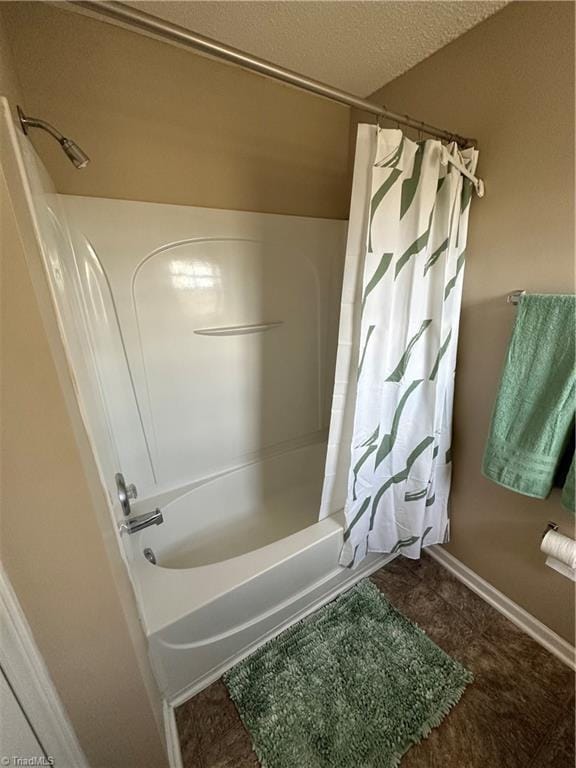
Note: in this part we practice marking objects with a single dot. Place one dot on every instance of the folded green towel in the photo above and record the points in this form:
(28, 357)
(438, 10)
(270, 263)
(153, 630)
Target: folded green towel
(534, 410)
(568, 500)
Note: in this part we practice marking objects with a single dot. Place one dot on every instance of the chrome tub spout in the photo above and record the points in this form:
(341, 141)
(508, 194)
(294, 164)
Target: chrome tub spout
(138, 523)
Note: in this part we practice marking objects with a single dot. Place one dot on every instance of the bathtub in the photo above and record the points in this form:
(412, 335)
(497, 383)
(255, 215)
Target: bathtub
(238, 559)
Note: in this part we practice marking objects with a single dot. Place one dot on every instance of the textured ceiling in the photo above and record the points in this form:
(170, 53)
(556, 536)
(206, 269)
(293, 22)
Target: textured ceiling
(356, 46)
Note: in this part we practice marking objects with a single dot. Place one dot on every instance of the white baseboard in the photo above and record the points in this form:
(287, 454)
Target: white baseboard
(172, 739)
(517, 615)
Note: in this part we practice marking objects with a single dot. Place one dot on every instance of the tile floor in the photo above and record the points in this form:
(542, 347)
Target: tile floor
(518, 713)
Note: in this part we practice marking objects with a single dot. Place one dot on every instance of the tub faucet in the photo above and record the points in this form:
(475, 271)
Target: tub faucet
(125, 493)
(138, 523)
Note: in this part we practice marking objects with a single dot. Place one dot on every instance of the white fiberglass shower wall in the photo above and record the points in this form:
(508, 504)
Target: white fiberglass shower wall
(214, 332)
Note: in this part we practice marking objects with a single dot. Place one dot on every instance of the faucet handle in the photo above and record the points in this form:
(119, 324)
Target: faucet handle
(125, 493)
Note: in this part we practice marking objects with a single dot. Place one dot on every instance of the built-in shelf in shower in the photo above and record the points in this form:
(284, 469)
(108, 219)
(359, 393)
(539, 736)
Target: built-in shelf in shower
(235, 330)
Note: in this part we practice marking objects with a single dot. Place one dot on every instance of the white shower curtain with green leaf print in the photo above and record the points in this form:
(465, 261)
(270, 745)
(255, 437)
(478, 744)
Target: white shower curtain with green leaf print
(390, 434)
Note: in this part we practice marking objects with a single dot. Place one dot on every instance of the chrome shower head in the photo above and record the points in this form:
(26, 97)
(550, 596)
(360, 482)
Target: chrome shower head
(75, 153)
(72, 150)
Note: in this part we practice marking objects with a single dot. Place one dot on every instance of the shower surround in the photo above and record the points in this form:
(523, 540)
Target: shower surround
(222, 326)
(202, 343)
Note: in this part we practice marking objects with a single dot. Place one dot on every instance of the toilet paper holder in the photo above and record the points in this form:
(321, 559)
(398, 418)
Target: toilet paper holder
(552, 526)
(560, 551)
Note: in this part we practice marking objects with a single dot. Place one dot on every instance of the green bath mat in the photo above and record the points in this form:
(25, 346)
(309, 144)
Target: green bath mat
(354, 685)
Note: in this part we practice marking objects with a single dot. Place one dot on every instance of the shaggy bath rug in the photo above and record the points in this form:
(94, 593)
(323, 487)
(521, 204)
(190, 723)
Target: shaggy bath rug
(354, 685)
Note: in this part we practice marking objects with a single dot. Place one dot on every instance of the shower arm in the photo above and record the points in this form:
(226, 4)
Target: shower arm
(34, 122)
(74, 153)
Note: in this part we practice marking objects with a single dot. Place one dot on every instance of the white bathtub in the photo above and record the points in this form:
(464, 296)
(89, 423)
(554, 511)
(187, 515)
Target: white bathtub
(239, 558)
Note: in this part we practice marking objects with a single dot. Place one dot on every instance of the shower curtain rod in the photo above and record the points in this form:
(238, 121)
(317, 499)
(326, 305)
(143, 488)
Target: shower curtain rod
(174, 33)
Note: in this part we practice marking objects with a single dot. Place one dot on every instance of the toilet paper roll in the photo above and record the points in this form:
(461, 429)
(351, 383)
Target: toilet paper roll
(561, 547)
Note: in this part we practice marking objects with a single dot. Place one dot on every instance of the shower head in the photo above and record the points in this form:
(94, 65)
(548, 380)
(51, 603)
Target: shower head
(73, 151)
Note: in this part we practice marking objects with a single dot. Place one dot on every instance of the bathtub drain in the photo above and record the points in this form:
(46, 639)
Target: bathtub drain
(150, 556)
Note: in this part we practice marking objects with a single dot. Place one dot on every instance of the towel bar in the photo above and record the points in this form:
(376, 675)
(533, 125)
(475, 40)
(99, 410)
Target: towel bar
(515, 296)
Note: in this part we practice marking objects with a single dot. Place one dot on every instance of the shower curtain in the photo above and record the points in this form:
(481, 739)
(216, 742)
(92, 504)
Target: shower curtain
(389, 457)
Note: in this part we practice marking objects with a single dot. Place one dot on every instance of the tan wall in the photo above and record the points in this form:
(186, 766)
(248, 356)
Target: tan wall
(510, 83)
(72, 588)
(164, 125)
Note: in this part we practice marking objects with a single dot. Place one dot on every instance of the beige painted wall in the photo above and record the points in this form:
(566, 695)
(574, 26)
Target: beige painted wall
(164, 125)
(509, 82)
(71, 585)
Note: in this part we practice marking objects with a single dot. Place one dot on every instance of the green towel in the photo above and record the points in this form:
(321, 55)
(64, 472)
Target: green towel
(534, 410)
(569, 487)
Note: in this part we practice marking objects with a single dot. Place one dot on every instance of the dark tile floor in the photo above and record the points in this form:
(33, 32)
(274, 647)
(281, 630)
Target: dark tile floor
(518, 713)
